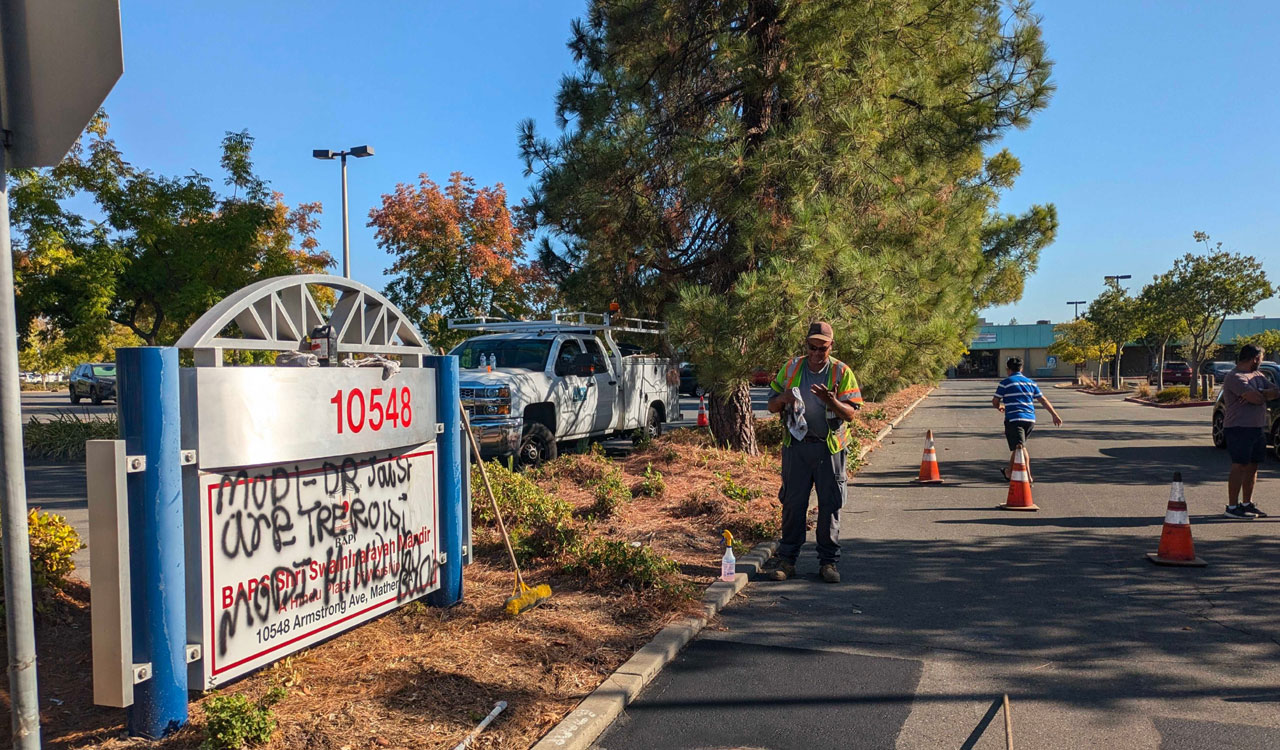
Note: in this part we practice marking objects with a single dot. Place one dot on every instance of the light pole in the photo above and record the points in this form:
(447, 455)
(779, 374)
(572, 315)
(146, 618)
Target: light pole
(359, 152)
(1115, 376)
(1077, 303)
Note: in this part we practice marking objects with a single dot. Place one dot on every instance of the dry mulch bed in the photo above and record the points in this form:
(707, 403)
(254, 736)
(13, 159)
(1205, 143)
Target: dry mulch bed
(1167, 405)
(422, 677)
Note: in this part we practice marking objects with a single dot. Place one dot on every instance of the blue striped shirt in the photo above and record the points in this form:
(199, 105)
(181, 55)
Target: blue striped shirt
(1018, 393)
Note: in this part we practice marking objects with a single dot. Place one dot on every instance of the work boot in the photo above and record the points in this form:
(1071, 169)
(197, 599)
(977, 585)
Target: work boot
(829, 573)
(786, 569)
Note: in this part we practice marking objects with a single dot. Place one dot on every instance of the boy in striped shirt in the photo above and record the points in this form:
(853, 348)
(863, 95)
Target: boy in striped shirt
(1016, 396)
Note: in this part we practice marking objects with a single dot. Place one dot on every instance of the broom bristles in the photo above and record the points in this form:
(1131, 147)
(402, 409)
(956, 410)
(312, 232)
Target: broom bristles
(527, 599)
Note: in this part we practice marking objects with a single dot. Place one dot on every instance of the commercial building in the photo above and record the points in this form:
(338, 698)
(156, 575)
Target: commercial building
(993, 344)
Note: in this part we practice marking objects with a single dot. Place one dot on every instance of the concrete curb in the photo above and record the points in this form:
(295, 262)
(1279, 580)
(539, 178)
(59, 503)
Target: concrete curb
(1183, 405)
(882, 434)
(584, 724)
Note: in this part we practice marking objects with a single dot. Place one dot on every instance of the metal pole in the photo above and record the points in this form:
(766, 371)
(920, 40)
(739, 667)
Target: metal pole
(346, 238)
(19, 607)
(151, 426)
(448, 408)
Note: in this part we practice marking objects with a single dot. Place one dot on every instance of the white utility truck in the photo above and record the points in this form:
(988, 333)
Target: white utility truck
(530, 384)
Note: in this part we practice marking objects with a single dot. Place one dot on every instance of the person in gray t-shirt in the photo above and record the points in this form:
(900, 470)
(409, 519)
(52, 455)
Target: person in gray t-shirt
(1245, 392)
(815, 409)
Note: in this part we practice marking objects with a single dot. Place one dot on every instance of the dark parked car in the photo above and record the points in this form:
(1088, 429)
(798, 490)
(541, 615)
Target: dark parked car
(1219, 369)
(689, 384)
(1272, 371)
(1175, 373)
(97, 382)
(761, 376)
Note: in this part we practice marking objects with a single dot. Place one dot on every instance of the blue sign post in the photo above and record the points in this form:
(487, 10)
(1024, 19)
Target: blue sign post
(448, 408)
(151, 426)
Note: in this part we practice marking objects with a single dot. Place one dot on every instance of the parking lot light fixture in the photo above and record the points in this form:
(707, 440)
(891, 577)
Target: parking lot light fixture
(358, 152)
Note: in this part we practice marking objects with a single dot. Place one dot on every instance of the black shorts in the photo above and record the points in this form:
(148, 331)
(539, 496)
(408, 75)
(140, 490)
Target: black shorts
(1246, 445)
(1017, 432)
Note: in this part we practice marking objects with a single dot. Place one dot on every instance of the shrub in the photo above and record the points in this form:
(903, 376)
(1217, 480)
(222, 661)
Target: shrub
(53, 542)
(232, 722)
(652, 485)
(878, 414)
(540, 525)
(1143, 391)
(767, 529)
(737, 492)
(62, 437)
(769, 431)
(611, 493)
(608, 563)
(1174, 394)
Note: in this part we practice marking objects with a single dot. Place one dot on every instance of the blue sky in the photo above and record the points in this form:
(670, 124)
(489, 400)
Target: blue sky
(1162, 123)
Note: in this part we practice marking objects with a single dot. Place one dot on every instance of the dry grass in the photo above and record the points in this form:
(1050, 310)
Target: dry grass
(422, 677)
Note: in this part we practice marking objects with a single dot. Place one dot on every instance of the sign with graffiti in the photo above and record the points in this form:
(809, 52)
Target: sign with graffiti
(295, 553)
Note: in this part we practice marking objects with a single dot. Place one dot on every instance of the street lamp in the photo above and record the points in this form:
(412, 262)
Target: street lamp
(1115, 376)
(1077, 303)
(359, 152)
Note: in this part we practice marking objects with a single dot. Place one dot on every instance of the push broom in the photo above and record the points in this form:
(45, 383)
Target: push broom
(524, 596)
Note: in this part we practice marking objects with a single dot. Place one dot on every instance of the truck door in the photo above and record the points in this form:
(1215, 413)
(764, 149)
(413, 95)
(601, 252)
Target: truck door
(576, 394)
(606, 389)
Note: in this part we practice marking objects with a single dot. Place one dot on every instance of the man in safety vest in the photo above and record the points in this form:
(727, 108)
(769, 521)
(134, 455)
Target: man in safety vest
(817, 395)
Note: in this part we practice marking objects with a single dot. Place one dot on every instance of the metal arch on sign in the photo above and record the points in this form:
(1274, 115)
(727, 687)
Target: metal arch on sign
(277, 314)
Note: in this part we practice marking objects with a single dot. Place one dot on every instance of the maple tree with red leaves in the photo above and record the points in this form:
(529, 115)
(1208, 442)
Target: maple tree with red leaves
(459, 251)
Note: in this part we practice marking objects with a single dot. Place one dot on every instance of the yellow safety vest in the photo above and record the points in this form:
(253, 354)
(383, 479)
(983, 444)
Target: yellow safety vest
(840, 381)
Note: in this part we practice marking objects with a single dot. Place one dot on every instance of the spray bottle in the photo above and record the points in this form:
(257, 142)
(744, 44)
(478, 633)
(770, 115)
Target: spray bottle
(728, 563)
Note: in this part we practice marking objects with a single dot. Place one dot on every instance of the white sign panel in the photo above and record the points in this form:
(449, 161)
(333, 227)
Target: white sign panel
(251, 416)
(297, 552)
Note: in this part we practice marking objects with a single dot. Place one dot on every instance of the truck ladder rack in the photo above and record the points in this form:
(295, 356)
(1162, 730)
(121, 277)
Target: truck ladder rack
(561, 322)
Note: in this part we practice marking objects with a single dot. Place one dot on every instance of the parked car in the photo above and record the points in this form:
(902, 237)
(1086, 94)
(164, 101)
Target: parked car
(96, 381)
(1272, 371)
(1218, 369)
(1175, 373)
(689, 384)
(761, 376)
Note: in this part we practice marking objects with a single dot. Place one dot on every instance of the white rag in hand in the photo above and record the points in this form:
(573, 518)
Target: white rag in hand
(796, 423)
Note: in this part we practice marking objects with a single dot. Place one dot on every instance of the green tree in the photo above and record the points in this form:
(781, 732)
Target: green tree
(1210, 287)
(1268, 341)
(45, 350)
(1118, 319)
(1160, 319)
(1079, 342)
(459, 252)
(808, 159)
(167, 249)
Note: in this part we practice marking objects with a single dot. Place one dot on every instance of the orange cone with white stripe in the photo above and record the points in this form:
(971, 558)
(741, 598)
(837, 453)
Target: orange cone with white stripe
(1019, 485)
(702, 412)
(929, 463)
(1176, 547)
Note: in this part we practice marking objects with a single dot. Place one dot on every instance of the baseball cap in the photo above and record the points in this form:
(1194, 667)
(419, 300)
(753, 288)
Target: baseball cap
(819, 330)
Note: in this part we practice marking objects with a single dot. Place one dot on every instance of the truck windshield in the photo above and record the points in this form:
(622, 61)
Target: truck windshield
(517, 354)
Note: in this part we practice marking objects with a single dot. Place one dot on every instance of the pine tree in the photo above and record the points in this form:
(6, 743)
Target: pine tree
(745, 167)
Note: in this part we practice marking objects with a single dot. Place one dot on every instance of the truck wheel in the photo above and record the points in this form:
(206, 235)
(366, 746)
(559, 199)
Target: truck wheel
(652, 427)
(537, 446)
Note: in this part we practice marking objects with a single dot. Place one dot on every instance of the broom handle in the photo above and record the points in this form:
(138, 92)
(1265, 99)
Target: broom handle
(484, 475)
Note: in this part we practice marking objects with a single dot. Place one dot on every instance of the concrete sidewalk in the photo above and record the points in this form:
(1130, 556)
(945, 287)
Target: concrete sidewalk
(948, 603)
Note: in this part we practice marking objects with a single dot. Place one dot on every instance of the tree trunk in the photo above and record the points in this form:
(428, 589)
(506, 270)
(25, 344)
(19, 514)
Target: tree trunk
(1115, 375)
(1195, 378)
(732, 421)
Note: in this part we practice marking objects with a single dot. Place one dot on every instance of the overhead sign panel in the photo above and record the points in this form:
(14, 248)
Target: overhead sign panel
(61, 58)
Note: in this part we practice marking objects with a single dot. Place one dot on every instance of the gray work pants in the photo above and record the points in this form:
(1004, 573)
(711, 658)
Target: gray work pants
(806, 465)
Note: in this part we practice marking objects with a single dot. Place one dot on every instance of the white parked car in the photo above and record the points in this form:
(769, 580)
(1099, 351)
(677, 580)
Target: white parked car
(529, 385)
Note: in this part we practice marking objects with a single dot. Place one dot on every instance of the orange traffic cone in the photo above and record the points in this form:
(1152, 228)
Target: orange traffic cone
(929, 463)
(702, 412)
(1176, 547)
(1019, 486)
